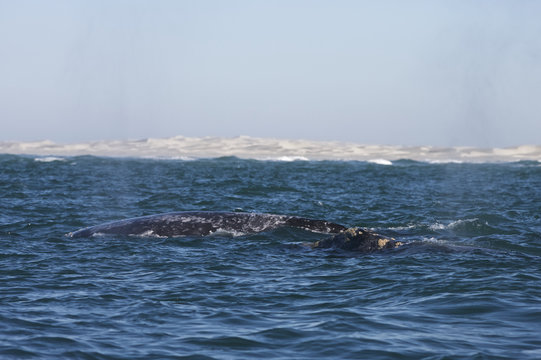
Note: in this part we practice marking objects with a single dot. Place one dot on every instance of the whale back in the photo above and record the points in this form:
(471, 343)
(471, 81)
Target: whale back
(201, 223)
(321, 226)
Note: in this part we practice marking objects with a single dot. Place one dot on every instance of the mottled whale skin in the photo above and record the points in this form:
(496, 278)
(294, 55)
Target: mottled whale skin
(201, 223)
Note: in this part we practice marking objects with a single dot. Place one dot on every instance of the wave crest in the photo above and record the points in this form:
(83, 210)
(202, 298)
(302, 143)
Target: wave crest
(180, 147)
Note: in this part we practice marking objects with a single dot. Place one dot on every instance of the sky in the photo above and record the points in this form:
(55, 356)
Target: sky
(441, 73)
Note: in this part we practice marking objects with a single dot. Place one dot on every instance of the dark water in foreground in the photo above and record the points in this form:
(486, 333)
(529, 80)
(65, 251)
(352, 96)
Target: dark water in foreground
(468, 285)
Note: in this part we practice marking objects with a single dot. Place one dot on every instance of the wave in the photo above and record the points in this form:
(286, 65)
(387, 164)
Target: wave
(49, 159)
(380, 161)
(189, 148)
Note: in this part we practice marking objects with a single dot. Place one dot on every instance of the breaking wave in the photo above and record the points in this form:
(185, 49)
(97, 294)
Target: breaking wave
(189, 148)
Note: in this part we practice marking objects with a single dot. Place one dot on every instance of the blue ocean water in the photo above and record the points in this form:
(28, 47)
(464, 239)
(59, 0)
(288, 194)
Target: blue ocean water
(466, 286)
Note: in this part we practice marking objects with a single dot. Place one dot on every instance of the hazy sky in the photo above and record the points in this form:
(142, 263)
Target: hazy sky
(378, 72)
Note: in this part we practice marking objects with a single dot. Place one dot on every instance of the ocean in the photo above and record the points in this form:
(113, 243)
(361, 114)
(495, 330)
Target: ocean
(466, 284)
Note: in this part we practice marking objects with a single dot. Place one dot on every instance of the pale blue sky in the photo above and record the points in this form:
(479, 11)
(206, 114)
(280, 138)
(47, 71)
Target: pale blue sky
(430, 72)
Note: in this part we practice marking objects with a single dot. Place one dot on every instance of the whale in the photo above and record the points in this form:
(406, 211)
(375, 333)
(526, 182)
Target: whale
(358, 240)
(202, 223)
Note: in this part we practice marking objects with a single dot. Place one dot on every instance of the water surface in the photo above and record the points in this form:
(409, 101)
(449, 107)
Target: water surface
(466, 286)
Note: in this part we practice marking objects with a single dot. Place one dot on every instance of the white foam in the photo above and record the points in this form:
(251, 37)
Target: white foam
(433, 240)
(452, 224)
(438, 226)
(229, 232)
(401, 228)
(186, 148)
(380, 161)
(291, 158)
(444, 161)
(150, 233)
(49, 159)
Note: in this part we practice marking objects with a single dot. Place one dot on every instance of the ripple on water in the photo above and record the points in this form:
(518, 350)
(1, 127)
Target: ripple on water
(466, 286)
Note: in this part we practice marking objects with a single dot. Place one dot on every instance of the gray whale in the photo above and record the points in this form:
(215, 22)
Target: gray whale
(201, 223)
